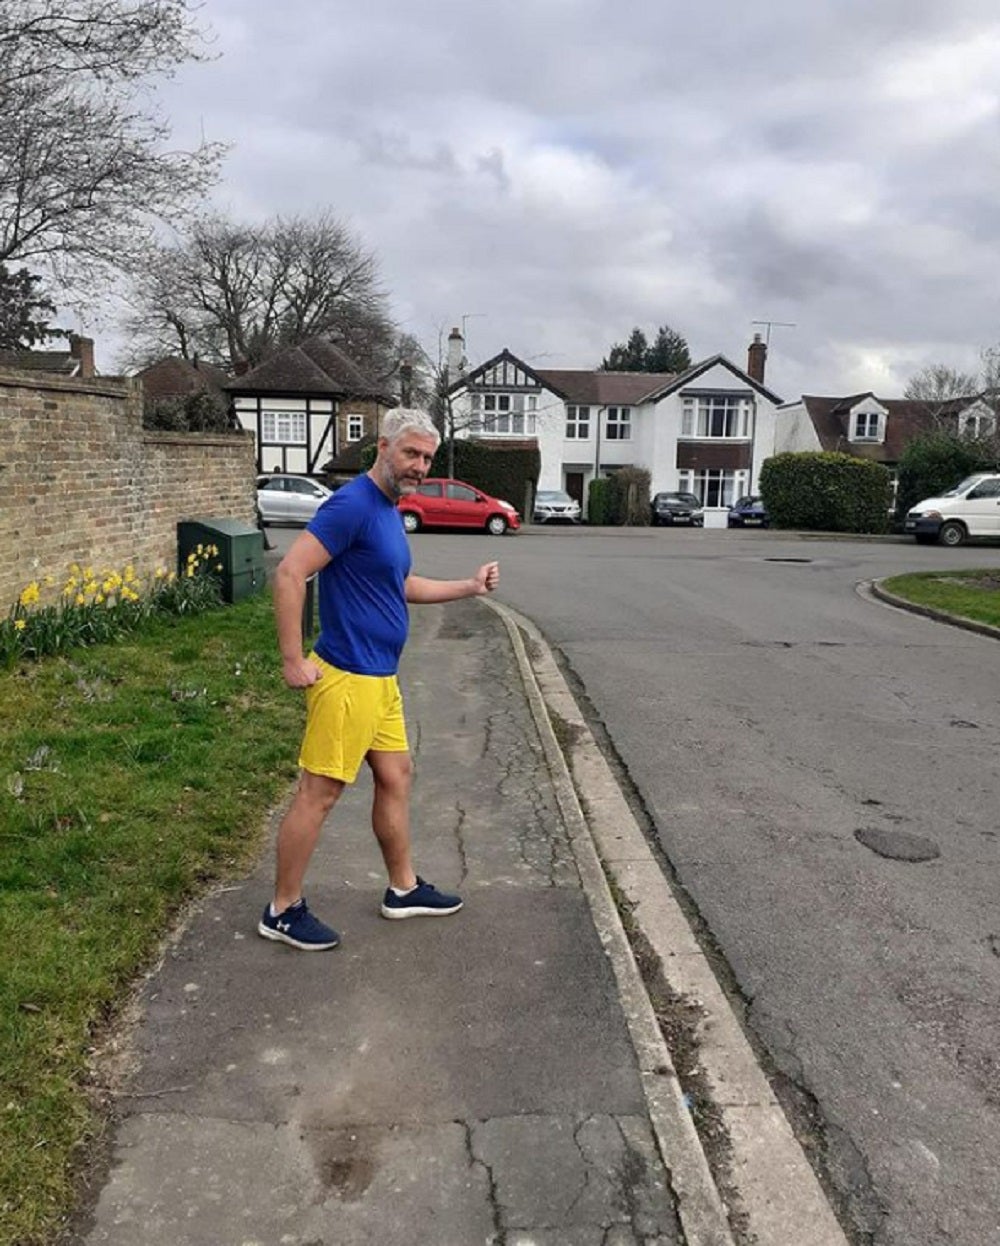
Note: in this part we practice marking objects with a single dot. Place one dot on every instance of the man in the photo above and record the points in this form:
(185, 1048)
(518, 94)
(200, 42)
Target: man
(357, 547)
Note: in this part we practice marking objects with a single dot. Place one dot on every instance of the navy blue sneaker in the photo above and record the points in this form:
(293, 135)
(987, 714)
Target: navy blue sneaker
(423, 901)
(297, 926)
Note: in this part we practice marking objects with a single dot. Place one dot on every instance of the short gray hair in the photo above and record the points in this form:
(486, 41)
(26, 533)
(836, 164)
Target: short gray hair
(402, 420)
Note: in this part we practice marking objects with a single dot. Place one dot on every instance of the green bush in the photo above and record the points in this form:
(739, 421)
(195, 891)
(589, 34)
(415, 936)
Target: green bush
(628, 497)
(825, 492)
(502, 473)
(202, 412)
(933, 463)
(598, 502)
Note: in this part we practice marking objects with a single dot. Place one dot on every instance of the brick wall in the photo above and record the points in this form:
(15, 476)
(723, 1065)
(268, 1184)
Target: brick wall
(82, 481)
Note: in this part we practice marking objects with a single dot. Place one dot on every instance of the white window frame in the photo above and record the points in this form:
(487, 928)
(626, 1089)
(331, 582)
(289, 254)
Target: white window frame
(504, 415)
(715, 486)
(979, 425)
(577, 423)
(618, 424)
(702, 415)
(866, 426)
(355, 426)
(284, 428)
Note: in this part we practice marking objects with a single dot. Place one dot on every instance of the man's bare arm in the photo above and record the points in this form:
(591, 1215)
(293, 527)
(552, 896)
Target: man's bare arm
(304, 559)
(421, 591)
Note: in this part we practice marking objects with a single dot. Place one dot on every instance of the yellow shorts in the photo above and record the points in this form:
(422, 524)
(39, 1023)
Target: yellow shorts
(346, 716)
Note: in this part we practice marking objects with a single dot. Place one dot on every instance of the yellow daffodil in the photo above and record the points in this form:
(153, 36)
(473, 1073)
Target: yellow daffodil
(29, 596)
(19, 625)
(80, 599)
(129, 574)
(99, 599)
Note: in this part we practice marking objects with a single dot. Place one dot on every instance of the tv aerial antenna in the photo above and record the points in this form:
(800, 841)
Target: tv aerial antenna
(773, 324)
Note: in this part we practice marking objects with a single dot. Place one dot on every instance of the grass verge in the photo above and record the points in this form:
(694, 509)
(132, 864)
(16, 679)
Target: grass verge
(131, 775)
(970, 594)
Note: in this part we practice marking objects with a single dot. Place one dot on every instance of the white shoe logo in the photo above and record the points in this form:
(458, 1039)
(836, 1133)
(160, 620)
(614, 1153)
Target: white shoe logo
(284, 926)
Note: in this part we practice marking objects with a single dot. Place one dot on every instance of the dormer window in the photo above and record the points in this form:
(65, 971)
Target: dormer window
(866, 426)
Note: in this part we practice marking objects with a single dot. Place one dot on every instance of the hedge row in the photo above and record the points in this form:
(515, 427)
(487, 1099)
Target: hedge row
(826, 492)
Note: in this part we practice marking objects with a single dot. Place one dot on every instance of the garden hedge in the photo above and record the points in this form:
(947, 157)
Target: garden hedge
(826, 492)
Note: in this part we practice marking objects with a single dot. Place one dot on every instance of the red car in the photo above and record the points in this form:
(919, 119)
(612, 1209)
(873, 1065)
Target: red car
(441, 503)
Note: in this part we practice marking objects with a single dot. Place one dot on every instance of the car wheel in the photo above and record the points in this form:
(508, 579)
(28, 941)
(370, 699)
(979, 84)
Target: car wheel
(496, 525)
(411, 521)
(952, 533)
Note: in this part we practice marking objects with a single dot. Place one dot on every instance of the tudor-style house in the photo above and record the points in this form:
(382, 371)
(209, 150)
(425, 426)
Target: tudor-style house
(309, 409)
(706, 430)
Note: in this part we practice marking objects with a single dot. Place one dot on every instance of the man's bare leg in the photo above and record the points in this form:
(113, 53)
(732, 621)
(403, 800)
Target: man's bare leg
(393, 776)
(299, 831)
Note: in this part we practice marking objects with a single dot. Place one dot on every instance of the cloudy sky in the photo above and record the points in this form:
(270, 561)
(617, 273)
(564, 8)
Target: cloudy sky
(549, 173)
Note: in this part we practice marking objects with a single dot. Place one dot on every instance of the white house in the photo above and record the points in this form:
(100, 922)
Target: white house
(706, 430)
(875, 428)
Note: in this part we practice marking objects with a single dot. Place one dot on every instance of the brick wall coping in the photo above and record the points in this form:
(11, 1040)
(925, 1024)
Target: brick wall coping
(109, 387)
(150, 435)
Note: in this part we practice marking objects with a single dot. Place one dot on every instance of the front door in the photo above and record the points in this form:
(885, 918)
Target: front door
(574, 487)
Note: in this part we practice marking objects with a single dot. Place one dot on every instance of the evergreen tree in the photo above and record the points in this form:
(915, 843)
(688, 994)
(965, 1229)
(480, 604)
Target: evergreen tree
(24, 312)
(668, 353)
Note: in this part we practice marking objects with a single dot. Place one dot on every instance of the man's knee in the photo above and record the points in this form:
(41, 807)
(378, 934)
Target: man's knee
(319, 790)
(392, 772)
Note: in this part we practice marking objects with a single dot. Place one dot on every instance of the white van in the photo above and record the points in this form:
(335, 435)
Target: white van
(971, 509)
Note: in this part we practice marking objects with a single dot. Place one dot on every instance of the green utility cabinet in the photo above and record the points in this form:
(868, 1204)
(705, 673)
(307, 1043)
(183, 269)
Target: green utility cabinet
(241, 553)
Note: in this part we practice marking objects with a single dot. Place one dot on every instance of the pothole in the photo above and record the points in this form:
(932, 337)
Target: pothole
(897, 845)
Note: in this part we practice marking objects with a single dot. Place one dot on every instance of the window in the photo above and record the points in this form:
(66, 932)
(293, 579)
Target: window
(714, 486)
(429, 490)
(577, 423)
(977, 426)
(355, 427)
(715, 415)
(460, 493)
(619, 424)
(283, 427)
(506, 415)
(866, 426)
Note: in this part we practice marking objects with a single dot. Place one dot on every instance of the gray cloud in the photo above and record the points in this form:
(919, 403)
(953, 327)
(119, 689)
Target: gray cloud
(563, 170)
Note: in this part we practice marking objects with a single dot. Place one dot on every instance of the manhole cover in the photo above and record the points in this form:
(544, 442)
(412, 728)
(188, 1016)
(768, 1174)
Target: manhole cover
(897, 845)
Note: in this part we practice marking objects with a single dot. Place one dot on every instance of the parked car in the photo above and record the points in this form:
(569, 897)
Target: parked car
(555, 505)
(441, 503)
(283, 498)
(747, 512)
(671, 508)
(971, 509)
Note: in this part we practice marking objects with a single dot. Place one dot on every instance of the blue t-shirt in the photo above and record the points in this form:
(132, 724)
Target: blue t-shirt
(362, 599)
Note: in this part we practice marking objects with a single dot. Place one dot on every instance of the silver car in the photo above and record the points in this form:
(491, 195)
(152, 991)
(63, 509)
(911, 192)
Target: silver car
(289, 499)
(555, 504)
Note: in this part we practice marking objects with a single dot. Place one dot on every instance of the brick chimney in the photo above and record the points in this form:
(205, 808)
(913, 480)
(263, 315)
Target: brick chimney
(456, 355)
(82, 349)
(756, 358)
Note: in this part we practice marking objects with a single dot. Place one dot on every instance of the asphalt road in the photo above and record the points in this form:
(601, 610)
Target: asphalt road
(793, 742)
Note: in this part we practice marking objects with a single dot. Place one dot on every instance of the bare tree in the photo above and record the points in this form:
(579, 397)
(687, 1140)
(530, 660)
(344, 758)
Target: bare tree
(237, 294)
(938, 386)
(84, 174)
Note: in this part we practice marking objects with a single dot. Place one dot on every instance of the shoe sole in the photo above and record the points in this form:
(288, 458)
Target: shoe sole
(278, 936)
(399, 914)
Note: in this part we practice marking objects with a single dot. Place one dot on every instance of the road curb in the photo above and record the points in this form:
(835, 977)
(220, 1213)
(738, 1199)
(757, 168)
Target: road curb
(877, 589)
(776, 1195)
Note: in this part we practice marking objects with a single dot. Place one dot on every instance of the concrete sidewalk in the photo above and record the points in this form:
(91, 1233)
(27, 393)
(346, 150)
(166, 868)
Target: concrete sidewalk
(462, 1080)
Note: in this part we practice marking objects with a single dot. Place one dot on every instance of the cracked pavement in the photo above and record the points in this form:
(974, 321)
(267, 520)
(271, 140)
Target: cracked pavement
(457, 1081)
